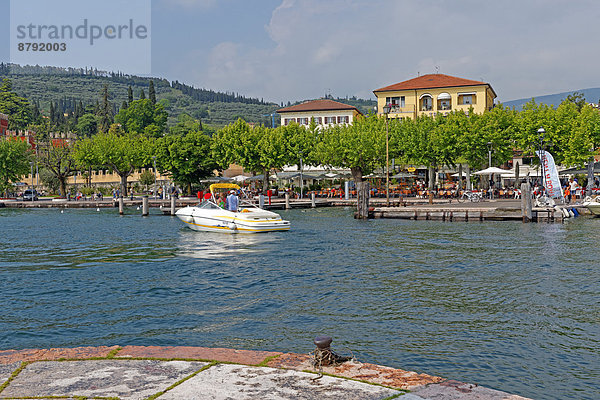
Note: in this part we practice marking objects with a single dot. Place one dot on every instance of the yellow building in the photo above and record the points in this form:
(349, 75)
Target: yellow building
(433, 94)
(323, 111)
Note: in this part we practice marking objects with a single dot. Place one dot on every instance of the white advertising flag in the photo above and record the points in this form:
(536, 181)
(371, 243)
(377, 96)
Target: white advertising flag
(553, 188)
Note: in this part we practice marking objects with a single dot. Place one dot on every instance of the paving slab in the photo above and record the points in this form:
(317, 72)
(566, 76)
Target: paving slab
(6, 371)
(79, 353)
(455, 390)
(396, 378)
(248, 357)
(225, 381)
(132, 379)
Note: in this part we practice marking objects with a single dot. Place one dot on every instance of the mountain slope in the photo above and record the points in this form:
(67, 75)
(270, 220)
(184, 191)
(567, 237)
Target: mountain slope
(54, 84)
(592, 95)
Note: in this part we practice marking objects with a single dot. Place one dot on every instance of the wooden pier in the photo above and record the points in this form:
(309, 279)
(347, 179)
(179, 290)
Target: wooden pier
(465, 214)
(406, 208)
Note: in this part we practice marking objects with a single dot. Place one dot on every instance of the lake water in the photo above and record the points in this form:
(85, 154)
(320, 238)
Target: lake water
(502, 304)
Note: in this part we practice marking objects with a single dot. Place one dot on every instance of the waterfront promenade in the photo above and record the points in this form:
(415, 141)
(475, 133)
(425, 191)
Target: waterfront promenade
(400, 208)
(139, 372)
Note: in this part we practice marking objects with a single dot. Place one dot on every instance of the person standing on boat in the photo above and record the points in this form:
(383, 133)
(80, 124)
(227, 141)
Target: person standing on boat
(232, 201)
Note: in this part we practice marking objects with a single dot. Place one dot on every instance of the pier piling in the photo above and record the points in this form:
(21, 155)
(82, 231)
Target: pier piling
(526, 202)
(173, 202)
(145, 206)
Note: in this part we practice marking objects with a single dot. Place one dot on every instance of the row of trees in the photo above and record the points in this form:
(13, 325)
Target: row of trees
(137, 136)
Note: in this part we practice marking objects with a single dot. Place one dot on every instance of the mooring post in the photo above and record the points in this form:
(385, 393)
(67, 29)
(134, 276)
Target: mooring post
(145, 206)
(287, 201)
(526, 202)
(173, 200)
(261, 200)
(313, 203)
(121, 205)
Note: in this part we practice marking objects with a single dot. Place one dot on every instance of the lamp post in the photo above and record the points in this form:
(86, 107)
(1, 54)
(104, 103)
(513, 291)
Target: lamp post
(154, 162)
(386, 111)
(490, 166)
(32, 196)
(541, 132)
(301, 179)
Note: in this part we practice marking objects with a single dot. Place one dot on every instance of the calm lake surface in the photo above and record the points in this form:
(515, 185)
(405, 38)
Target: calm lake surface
(507, 305)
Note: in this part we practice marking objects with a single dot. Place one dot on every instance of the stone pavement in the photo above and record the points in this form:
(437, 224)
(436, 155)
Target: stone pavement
(173, 373)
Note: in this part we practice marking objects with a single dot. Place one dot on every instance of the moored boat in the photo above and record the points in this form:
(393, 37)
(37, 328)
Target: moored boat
(209, 216)
(592, 204)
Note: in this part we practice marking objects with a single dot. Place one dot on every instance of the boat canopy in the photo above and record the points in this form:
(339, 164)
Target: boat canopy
(223, 186)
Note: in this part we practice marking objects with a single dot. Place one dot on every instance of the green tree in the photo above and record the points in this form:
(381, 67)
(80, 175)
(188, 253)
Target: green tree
(87, 125)
(122, 153)
(255, 149)
(14, 162)
(152, 93)
(300, 141)
(186, 124)
(143, 117)
(16, 107)
(142, 94)
(105, 117)
(584, 141)
(532, 117)
(359, 147)
(57, 157)
(49, 180)
(147, 178)
(187, 157)
(493, 130)
(129, 95)
(578, 99)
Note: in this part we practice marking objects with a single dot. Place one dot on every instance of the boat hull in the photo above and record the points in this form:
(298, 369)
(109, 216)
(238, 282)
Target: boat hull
(222, 221)
(593, 207)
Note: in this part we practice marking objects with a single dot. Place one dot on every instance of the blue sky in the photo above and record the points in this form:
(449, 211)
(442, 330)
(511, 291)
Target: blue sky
(284, 50)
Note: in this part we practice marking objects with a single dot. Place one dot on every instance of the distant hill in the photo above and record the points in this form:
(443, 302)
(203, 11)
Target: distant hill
(592, 95)
(45, 84)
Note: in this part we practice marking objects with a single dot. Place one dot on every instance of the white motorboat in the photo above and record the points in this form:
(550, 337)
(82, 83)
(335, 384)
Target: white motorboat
(592, 204)
(209, 216)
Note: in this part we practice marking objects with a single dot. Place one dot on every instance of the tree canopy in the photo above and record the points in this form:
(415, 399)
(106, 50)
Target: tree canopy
(14, 162)
(141, 116)
(187, 157)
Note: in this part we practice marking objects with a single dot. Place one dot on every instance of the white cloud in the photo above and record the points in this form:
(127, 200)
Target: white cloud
(353, 47)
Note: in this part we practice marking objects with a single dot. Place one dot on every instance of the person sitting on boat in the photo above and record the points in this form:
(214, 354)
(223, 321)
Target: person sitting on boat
(232, 201)
(220, 202)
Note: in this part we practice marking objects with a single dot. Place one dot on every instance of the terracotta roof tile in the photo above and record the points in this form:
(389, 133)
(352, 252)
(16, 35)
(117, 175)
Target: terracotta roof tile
(317, 105)
(431, 81)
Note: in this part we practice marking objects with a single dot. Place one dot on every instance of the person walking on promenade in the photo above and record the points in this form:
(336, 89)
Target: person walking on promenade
(572, 189)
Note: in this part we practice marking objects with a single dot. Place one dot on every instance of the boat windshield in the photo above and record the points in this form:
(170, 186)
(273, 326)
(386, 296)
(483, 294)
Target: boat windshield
(208, 205)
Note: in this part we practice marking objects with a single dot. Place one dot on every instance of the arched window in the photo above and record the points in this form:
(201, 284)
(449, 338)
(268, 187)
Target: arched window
(444, 101)
(426, 102)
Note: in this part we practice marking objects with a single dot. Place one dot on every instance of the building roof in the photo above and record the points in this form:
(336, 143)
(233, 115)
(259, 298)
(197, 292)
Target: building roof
(432, 81)
(318, 105)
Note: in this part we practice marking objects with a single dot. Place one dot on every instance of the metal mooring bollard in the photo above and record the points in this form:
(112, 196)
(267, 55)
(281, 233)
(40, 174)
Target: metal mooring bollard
(323, 354)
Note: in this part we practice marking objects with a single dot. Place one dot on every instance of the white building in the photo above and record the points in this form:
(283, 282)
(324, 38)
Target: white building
(323, 112)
